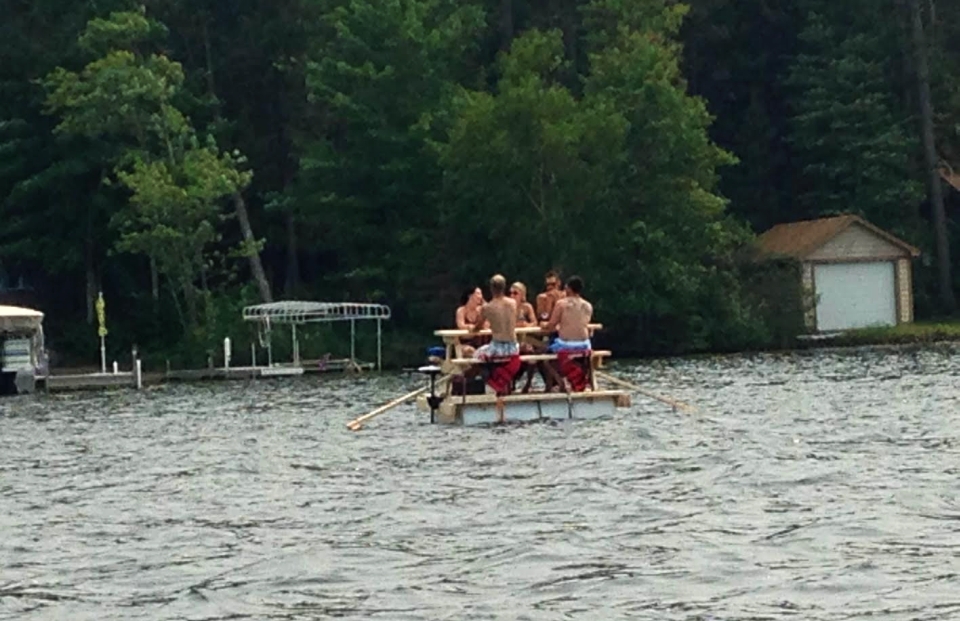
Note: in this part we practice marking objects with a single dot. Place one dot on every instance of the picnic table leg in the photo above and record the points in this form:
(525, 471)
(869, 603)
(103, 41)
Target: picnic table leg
(593, 364)
(555, 377)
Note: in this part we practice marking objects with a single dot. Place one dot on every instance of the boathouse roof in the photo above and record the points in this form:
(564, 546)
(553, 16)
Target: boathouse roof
(800, 239)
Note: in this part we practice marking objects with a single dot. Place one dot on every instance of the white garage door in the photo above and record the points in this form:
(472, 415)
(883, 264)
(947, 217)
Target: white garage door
(855, 295)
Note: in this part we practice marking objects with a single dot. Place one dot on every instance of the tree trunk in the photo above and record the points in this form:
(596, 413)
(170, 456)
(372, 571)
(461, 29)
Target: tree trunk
(91, 277)
(506, 24)
(930, 155)
(154, 282)
(204, 287)
(570, 25)
(256, 267)
(208, 59)
(293, 264)
(190, 300)
(175, 295)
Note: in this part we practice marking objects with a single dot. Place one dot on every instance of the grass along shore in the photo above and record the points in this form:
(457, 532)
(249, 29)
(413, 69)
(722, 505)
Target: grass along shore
(919, 333)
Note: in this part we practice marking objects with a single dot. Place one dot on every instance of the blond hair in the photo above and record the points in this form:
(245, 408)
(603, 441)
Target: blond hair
(522, 287)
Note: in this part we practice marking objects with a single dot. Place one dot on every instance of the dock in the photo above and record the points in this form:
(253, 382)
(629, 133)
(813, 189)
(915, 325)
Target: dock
(264, 317)
(127, 379)
(84, 381)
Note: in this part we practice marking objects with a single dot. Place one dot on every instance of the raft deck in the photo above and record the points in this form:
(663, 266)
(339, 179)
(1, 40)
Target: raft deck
(488, 408)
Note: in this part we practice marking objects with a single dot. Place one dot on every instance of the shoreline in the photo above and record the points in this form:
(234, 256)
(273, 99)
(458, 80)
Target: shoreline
(902, 338)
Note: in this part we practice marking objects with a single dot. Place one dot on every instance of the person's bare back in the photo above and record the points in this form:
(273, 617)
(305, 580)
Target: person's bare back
(574, 318)
(501, 312)
(571, 315)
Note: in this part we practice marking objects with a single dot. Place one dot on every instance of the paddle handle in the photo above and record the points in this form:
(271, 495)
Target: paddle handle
(356, 423)
(616, 380)
(383, 408)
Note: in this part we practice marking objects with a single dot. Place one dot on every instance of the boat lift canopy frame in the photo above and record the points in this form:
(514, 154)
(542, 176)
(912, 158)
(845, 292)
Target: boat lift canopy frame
(296, 313)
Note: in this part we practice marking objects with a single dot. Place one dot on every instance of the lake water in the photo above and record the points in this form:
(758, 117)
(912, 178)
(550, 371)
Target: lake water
(806, 487)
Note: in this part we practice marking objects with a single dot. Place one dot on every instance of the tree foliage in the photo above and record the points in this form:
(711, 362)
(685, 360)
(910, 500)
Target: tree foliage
(853, 147)
(130, 97)
(404, 150)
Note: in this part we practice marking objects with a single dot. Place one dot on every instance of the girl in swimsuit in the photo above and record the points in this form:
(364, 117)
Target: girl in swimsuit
(468, 313)
(526, 316)
(469, 310)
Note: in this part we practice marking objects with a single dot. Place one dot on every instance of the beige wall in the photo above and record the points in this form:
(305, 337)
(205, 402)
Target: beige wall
(856, 243)
(905, 293)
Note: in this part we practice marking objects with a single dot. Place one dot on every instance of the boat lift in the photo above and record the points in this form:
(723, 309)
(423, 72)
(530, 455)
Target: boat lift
(296, 313)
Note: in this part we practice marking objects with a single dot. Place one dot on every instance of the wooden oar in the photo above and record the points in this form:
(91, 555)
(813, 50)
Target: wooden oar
(671, 402)
(357, 423)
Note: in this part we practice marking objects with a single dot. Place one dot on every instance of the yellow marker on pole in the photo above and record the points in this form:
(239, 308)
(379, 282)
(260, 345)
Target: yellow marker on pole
(102, 330)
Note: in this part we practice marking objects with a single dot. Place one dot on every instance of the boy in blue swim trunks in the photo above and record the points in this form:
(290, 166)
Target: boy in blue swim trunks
(571, 319)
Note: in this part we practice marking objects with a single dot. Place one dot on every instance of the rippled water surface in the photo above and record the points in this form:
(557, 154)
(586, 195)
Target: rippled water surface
(805, 487)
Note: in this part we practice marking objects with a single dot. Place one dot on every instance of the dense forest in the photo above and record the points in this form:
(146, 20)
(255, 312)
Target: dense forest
(189, 158)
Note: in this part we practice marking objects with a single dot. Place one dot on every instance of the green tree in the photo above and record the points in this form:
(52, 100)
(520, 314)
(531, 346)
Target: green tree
(378, 76)
(525, 167)
(129, 97)
(736, 54)
(52, 204)
(853, 148)
(618, 182)
(676, 252)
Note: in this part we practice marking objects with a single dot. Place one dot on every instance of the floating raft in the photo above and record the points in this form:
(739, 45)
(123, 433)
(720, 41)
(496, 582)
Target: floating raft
(487, 408)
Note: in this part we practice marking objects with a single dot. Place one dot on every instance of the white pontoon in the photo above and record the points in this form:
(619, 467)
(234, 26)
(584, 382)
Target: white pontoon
(21, 353)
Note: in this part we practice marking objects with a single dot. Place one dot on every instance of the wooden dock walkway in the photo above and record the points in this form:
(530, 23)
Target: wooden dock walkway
(61, 382)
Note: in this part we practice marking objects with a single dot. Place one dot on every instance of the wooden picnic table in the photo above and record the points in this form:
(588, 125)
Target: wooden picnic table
(536, 330)
(451, 337)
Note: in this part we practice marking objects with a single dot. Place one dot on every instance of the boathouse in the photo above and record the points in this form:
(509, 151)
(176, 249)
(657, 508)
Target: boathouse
(853, 274)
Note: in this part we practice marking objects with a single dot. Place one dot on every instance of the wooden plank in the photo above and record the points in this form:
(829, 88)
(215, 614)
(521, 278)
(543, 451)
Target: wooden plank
(527, 358)
(454, 332)
(540, 396)
(89, 381)
(280, 371)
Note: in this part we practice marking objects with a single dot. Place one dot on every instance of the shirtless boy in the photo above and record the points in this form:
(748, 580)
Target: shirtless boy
(501, 314)
(548, 298)
(570, 318)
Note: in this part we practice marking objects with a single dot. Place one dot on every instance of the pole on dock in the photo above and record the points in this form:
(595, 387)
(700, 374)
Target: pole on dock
(101, 307)
(138, 374)
(379, 347)
(353, 329)
(296, 344)
(226, 353)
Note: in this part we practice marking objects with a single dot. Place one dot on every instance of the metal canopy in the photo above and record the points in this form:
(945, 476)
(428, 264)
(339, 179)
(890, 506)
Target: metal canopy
(307, 312)
(295, 312)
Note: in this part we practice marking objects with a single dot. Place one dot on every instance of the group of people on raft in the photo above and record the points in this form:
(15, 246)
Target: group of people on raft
(561, 313)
